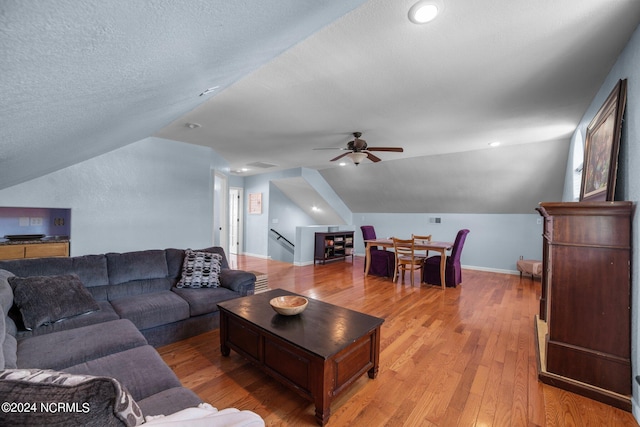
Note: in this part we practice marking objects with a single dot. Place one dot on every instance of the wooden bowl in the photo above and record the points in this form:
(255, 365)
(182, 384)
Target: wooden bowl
(289, 305)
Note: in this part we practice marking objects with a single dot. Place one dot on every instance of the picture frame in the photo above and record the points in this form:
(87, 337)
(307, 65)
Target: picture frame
(255, 203)
(602, 144)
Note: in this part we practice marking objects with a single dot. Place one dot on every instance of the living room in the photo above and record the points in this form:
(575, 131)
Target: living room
(131, 190)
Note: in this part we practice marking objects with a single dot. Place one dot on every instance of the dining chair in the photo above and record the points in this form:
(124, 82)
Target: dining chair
(424, 254)
(382, 260)
(405, 258)
(453, 269)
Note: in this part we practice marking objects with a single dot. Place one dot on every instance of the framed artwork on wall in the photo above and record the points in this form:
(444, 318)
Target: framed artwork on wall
(255, 203)
(602, 144)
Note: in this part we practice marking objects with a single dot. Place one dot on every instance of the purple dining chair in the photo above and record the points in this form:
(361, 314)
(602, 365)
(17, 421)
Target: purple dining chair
(453, 270)
(382, 261)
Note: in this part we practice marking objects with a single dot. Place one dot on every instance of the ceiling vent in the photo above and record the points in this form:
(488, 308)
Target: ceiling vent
(262, 165)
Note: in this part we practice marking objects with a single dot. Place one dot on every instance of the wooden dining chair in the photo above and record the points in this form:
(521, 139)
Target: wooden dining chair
(424, 254)
(405, 258)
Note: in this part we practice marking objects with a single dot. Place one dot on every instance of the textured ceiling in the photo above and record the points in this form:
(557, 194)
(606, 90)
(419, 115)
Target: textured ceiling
(514, 71)
(81, 78)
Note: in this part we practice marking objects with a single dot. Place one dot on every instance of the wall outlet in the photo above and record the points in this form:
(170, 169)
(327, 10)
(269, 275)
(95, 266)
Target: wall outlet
(36, 221)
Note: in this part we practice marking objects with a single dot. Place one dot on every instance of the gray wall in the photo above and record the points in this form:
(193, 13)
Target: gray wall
(285, 217)
(494, 243)
(628, 188)
(153, 193)
(256, 229)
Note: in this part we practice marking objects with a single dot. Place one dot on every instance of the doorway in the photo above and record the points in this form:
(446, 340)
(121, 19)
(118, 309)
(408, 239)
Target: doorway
(220, 209)
(235, 220)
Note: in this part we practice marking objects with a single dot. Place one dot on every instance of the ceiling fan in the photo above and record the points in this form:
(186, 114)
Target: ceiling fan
(358, 150)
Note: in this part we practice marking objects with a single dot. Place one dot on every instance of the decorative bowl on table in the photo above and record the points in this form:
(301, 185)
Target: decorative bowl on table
(289, 305)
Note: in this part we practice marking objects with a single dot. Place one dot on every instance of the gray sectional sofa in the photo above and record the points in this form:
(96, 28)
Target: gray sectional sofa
(101, 316)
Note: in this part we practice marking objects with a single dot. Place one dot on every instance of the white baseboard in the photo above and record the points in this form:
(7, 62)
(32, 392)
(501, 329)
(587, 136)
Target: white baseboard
(470, 267)
(302, 264)
(493, 270)
(256, 255)
(473, 267)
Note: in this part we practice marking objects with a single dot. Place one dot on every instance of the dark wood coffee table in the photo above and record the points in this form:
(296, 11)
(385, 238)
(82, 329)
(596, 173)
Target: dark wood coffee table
(317, 353)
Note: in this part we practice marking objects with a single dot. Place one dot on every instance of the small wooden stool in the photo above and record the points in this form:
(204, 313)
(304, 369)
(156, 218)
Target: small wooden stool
(530, 266)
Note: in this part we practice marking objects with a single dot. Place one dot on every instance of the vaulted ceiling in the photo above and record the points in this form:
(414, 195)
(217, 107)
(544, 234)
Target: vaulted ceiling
(79, 79)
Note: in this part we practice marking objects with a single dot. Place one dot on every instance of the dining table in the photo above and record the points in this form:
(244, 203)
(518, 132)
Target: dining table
(419, 245)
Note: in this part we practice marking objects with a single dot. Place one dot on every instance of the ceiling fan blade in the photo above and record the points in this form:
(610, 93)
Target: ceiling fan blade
(394, 149)
(339, 157)
(373, 158)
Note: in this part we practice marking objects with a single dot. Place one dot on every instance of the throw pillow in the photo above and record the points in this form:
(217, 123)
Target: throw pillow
(200, 270)
(46, 397)
(43, 300)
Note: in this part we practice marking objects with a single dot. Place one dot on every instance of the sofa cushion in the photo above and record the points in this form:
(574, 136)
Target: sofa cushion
(92, 269)
(88, 400)
(140, 265)
(217, 250)
(149, 310)
(242, 282)
(138, 287)
(74, 346)
(169, 401)
(204, 300)
(140, 369)
(47, 299)
(200, 270)
(175, 258)
(105, 314)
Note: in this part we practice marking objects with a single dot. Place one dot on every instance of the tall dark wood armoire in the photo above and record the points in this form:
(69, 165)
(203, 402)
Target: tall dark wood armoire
(585, 304)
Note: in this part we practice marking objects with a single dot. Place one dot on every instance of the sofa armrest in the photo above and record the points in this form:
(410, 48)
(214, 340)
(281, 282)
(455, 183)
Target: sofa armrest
(240, 281)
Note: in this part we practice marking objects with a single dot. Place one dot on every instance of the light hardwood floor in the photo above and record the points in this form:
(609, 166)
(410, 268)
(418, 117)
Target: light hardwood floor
(460, 357)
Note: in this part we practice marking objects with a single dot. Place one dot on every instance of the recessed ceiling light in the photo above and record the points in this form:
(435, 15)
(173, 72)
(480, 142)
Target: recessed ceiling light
(424, 11)
(342, 164)
(192, 125)
(494, 144)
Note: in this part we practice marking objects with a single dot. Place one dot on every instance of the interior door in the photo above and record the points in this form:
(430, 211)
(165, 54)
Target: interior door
(235, 220)
(220, 209)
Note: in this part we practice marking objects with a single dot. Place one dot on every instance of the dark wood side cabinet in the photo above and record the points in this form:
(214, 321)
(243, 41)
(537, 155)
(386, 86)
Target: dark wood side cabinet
(585, 304)
(333, 245)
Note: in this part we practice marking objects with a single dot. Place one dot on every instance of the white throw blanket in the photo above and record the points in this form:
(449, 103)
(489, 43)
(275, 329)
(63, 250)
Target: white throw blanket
(206, 415)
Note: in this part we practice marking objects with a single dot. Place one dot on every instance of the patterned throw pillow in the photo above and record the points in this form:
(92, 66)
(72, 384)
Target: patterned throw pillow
(200, 270)
(46, 397)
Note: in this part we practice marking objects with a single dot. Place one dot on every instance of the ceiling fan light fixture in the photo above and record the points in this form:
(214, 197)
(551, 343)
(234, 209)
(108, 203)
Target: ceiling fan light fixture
(357, 157)
(423, 12)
